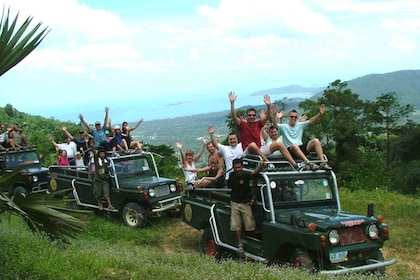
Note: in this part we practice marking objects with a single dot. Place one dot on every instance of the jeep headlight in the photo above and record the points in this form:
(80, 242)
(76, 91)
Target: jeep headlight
(373, 231)
(152, 192)
(172, 187)
(334, 237)
(273, 184)
(34, 179)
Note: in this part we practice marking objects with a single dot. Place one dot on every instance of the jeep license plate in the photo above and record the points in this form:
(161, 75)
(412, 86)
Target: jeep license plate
(338, 257)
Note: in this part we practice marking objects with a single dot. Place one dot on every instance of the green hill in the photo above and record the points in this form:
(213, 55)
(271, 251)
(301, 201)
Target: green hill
(186, 130)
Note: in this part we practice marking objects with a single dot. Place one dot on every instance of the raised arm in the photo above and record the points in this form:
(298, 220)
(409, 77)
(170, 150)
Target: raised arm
(179, 146)
(137, 125)
(106, 117)
(264, 134)
(277, 118)
(317, 116)
(200, 153)
(266, 116)
(52, 141)
(213, 139)
(82, 120)
(63, 128)
(235, 118)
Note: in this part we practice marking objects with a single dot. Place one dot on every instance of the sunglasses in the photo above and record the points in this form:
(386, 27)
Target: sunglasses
(293, 117)
(251, 115)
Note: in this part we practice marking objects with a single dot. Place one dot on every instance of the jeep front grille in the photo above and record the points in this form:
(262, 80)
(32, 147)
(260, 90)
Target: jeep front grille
(352, 235)
(161, 190)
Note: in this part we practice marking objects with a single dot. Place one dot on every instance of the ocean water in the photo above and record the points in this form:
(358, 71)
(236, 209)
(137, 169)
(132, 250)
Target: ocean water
(164, 107)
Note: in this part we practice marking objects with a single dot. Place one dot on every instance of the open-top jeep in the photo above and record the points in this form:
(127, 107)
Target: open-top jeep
(32, 176)
(137, 191)
(299, 221)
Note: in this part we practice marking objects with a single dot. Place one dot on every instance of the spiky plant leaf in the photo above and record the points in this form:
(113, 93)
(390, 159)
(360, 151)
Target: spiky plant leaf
(14, 44)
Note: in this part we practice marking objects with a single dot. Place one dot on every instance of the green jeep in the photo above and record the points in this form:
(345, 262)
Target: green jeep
(299, 221)
(32, 176)
(137, 191)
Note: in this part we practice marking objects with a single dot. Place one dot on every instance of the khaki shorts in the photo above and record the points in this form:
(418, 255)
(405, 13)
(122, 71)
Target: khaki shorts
(239, 212)
(101, 189)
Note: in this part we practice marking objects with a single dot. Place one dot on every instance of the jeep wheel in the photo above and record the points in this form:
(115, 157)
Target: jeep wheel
(208, 246)
(19, 190)
(300, 259)
(134, 215)
(379, 257)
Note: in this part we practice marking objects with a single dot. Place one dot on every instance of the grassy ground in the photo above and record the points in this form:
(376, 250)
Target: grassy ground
(169, 249)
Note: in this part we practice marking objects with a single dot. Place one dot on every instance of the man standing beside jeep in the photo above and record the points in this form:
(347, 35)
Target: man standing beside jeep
(241, 198)
(101, 188)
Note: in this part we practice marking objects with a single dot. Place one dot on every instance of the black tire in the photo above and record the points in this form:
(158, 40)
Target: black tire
(19, 190)
(173, 213)
(134, 215)
(300, 259)
(208, 245)
(379, 257)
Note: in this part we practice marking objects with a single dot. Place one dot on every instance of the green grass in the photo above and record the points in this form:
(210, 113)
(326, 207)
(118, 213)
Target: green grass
(169, 249)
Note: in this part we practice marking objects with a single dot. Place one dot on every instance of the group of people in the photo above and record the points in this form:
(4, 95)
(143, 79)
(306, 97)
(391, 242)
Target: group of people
(258, 137)
(90, 148)
(12, 137)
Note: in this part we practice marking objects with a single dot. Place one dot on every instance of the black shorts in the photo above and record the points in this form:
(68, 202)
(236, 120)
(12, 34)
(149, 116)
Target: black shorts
(301, 147)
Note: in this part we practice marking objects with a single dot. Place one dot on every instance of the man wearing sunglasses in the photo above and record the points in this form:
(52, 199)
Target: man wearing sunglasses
(292, 137)
(249, 129)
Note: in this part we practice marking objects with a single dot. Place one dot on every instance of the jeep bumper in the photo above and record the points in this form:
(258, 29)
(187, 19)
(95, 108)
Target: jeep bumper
(374, 265)
(166, 204)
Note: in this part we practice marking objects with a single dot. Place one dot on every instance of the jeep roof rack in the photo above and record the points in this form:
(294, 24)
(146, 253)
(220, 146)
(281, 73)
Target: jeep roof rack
(276, 162)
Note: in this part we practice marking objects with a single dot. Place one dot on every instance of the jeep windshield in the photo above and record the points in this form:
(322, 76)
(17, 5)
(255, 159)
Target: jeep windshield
(301, 190)
(17, 159)
(133, 166)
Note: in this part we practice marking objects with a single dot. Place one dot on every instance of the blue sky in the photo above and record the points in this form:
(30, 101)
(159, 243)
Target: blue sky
(160, 59)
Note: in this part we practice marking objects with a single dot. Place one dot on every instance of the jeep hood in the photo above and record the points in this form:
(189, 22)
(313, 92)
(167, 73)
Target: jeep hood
(145, 181)
(324, 218)
(34, 169)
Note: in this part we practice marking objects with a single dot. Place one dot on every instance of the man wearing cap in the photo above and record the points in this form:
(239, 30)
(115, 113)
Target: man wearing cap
(82, 143)
(101, 187)
(98, 132)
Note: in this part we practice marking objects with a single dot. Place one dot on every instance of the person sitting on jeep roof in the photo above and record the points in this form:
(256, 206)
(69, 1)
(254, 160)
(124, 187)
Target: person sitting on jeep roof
(188, 161)
(19, 139)
(240, 199)
(214, 175)
(292, 137)
(98, 132)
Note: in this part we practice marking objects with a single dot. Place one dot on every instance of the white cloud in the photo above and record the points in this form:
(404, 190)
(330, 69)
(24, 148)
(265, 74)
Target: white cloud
(244, 45)
(270, 16)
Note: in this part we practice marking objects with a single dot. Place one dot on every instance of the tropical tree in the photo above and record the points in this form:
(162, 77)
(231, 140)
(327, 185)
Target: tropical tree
(17, 41)
(388, 113)
(346, 114)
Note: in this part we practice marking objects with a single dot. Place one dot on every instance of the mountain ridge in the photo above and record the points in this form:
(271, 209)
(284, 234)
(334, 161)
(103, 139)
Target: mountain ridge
(188, 129)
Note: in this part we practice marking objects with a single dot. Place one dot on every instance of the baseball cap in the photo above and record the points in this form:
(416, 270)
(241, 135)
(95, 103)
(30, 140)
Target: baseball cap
(97, 122)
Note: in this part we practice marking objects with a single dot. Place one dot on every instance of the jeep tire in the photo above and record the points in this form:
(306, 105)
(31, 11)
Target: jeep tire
(19, 190)
(208, 245)
(300, 259)
(134, 215)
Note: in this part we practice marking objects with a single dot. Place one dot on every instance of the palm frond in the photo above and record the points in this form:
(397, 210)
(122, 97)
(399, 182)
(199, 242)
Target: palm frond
(43, 213)
(15, 46)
